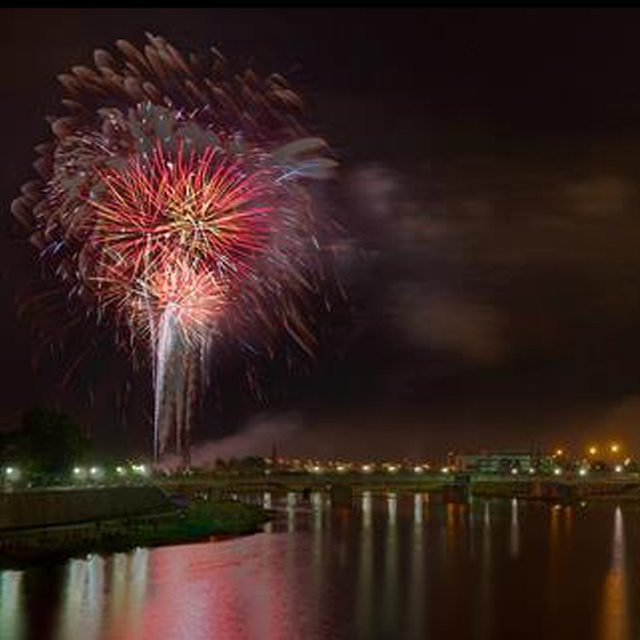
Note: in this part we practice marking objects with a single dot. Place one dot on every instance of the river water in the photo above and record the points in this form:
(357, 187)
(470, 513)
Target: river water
(391, 567)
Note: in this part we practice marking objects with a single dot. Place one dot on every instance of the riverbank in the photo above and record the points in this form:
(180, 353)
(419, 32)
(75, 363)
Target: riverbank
(565, 491)
(199, 521)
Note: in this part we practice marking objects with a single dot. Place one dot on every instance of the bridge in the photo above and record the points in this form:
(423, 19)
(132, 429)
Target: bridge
(450, 487)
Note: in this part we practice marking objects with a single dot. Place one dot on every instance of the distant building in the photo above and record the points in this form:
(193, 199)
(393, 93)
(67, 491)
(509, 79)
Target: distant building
(499, 462)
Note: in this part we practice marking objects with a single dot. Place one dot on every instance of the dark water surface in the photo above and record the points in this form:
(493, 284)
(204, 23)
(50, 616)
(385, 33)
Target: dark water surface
(391, 567)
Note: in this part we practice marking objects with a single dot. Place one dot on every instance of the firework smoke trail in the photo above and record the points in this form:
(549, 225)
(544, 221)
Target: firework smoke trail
(173, 201)
(169, 382)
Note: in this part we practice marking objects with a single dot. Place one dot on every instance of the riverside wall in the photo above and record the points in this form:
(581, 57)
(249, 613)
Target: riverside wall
(57, 506)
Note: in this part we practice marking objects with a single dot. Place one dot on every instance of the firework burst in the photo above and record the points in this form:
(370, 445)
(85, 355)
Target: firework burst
(173, 200)
(179, 231)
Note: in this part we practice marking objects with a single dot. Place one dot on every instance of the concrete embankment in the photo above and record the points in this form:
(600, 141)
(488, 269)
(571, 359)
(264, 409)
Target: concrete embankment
(39, 525)
(56, 506)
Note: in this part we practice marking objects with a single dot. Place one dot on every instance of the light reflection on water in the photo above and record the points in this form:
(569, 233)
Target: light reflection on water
(365, 583)
(484, 608)
(614, 597)
(11, 605)
(391, 566)
(83, 607)
(389, 583)
(418, 570)
(514, 530)
(291, 511)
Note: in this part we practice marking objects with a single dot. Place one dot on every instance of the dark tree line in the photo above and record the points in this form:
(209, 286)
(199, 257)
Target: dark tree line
(47, 444)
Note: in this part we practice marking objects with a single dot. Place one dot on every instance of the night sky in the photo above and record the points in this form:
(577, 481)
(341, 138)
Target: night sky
(490, 188)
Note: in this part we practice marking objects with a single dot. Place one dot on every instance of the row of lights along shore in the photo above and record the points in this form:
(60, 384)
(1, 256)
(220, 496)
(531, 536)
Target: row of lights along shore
(13, 473)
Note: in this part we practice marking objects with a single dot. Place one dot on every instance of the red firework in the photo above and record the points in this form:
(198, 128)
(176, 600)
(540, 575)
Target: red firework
(181, 231)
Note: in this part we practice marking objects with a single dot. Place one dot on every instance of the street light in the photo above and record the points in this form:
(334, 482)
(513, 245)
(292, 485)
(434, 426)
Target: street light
(593, 451)
(615, 447)
(140, 469)
(96, 472)
(12, 473)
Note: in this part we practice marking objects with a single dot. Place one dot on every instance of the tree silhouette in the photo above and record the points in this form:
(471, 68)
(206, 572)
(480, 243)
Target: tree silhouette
(50, 442)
